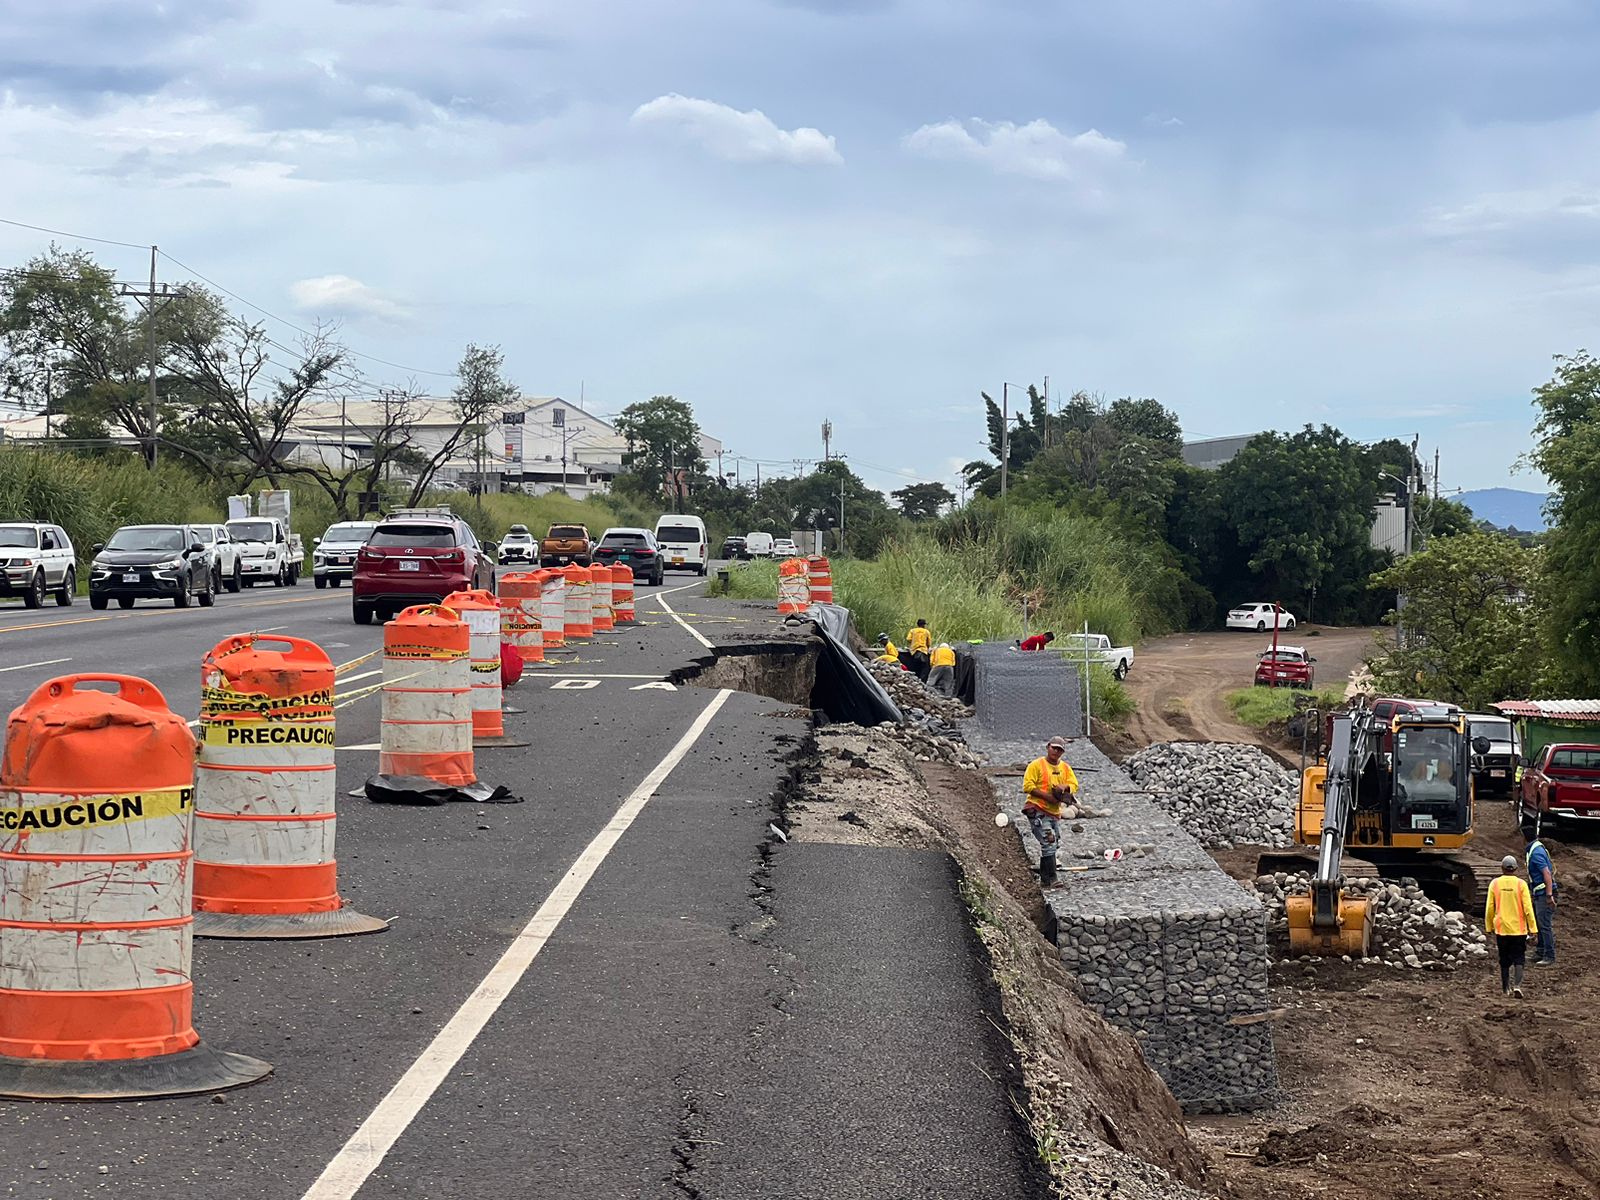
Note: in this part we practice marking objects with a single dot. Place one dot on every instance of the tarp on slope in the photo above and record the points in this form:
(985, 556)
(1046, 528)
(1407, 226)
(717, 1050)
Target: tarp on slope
(845, 689)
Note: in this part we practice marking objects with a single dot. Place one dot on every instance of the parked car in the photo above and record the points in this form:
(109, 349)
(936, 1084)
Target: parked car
(227, 566)
(36, 560)
(566, 544)
(333, 555)
(1494, 772)
(268, 551)
(417, 556)
(785, 548)
(636, 548)
(518, 546)
(1098, 648)
(733, 547)
(682, 541)
(758, 545)
(1287, 666)
(151, 562)
(1259, 616)
(1561, 785)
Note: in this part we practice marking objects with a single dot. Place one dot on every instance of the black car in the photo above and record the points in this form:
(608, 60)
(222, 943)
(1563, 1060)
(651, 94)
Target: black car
(634, 548)
(151, 562)
(732, 547)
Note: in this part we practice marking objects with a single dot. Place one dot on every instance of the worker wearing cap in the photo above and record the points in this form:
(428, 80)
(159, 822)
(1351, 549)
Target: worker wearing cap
(919, 640)
(1048, 786)
(1509, 916)
(942, 670)
(1037, 642)
(888, 652)
(1542, 883)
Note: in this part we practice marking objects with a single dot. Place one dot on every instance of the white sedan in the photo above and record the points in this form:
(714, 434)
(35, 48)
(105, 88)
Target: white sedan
(1260, 616)
(785, 548)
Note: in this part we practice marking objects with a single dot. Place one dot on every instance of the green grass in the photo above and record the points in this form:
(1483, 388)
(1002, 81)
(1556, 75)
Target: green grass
(1258, 707)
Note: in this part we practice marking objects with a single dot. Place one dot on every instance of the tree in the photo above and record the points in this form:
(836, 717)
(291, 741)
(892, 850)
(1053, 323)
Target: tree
(1568, 452)
(482, 389)
(1149, 420)
(1468, 636)
(663, 444)
(922, 501)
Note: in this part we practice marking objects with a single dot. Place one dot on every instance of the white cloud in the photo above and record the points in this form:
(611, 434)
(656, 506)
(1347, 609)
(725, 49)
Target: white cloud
(1499, 211)
(341, 296)
(1037, 149)
(739, 136)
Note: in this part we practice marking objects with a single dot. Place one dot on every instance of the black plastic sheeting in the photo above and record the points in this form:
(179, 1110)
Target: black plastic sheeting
(966, 675)
(845, 690)
(415, 789)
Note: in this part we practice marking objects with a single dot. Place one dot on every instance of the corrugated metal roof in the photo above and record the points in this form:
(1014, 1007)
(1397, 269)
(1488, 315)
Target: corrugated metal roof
(1577, 711)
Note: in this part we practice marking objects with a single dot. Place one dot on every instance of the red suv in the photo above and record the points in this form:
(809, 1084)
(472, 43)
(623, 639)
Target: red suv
(417, 556)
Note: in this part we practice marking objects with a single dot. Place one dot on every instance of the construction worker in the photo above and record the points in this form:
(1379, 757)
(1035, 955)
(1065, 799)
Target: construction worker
(1037, 642)
(942, 670)
(919, 638)
(1542, 882)
(888, 652)
(1509, 916)
(1048, 786)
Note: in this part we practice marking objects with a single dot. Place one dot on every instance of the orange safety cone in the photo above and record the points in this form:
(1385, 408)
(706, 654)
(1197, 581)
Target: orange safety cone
(481, 611)
(521, 615)
(579, 621)
(553, 605)
(426, 725)
(264, 795)
(600, 597)
(819, 577)
(622, 594)
(96, 1000)
(794, 592)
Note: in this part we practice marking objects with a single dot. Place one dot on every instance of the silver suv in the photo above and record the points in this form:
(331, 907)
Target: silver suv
(36, 560)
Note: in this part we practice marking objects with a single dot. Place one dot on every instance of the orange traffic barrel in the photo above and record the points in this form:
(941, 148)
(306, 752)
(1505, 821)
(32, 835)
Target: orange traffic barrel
(264, 794)
(426, 725)
(96, 1000)
(521, 614)
(553, 605)
(579, 622)
(622, 594)
(819, 576)
(794, 591)
(481, 611)
(600, 596)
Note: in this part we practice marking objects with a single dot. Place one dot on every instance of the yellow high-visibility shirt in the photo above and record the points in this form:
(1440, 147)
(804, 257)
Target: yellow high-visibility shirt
(1509, 910)
(919, 638)
(1041, 776)
(890, 654)
(943, 656)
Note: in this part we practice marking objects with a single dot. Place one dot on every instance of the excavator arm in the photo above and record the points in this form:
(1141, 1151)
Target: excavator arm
(1326, 921)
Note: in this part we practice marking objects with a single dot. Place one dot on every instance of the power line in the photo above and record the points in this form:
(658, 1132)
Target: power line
(77, 237)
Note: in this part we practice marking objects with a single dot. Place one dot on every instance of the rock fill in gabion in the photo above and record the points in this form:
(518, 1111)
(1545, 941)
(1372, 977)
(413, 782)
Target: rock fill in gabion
(1223, 794)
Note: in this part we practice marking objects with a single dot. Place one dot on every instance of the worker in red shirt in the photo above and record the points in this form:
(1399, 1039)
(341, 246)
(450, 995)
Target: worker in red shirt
(1037, 642)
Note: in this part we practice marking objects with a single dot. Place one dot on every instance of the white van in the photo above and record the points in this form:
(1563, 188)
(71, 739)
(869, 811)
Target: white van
(758, 545)
(682, 539)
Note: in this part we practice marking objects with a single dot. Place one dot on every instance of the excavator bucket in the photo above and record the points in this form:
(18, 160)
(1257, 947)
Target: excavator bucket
(1353, 935)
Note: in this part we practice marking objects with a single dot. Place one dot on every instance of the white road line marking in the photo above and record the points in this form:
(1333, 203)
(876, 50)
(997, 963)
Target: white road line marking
(693, 632)
(49, 662)
(363, 675)
(592, 675)
(570, 684)
(359, 1157)
(363, 746)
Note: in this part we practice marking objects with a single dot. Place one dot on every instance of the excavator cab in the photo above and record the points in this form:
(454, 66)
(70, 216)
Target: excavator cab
(1390, 791)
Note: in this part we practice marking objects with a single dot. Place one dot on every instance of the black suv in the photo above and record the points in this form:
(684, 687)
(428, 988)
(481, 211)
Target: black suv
(151, 562)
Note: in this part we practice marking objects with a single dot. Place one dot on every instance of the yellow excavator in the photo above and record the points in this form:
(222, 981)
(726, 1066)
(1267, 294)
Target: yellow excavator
(1397, 794)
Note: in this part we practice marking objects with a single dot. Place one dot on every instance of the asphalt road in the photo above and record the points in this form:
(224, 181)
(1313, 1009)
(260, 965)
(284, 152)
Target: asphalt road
(694, 1021)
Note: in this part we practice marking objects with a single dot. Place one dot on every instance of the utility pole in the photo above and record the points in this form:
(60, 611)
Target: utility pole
(151, 300)
(1005, 434)
(1046, 412)
(827, 438)
(1436, 473)
(758, 477)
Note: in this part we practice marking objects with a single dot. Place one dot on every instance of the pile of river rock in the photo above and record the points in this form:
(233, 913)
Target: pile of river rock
(1408, 929)
(915, 698)
(1221, 793)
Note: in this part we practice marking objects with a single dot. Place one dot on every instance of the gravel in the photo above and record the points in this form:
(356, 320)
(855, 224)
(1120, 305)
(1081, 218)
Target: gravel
(1408, 929)
(913, 696)
(1223, 794)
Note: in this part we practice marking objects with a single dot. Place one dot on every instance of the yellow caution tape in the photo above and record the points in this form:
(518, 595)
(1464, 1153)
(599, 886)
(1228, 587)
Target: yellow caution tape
(268, 733)
(93, 812)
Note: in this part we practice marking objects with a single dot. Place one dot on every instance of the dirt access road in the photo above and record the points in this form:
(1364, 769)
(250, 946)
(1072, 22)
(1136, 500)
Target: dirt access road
(1181, 682)
(1428, 1085)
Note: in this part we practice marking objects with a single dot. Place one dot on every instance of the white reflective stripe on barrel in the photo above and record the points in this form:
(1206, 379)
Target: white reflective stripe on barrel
(268, 793)
(249, 842)
(291, 743)
(96, 960)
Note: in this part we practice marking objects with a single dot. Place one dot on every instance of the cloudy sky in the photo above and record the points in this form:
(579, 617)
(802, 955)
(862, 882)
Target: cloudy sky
(1384, 214)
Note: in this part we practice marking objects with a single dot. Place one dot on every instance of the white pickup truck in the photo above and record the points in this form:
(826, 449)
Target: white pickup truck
(268, 552)
(1096, 647)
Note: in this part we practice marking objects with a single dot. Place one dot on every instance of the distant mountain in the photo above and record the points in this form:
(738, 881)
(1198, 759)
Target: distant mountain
(1507, 507)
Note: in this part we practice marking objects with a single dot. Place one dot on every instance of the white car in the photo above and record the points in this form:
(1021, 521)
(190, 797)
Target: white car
(1259, 616)
(785, 548)
(518, 546)
(226, 569)
(333, 555)
(35, 560)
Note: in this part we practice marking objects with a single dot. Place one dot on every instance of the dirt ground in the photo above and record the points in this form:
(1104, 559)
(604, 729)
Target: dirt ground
(1180, 682)
(1410, 1085)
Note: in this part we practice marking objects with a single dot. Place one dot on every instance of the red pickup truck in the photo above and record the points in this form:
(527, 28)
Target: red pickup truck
(1561, 784)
